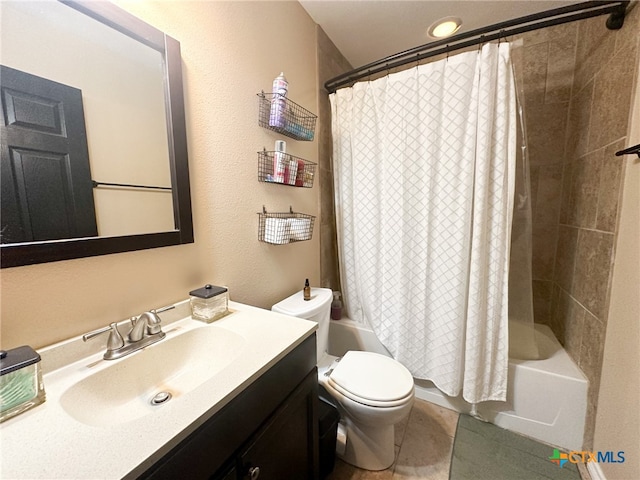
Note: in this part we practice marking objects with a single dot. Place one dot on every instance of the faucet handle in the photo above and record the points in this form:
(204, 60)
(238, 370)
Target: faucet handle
(115, 340)
(153, 323)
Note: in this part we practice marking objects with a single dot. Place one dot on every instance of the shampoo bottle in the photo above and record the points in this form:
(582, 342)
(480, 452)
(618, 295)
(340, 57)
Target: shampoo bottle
(277, 116)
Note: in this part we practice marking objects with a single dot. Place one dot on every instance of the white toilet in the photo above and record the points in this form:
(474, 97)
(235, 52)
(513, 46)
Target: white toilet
(373, 392)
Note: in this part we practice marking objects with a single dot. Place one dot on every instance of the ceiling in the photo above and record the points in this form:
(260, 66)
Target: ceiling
(368, 30)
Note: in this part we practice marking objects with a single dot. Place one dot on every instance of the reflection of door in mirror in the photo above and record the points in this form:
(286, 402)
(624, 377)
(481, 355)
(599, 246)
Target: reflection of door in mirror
(46, 178)
(123, 95)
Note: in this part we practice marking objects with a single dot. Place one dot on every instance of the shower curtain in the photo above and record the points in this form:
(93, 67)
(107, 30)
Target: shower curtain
(424, 164)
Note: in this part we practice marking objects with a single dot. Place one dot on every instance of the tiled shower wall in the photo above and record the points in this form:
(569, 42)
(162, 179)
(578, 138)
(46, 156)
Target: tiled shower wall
(578, 81)
(331, 63)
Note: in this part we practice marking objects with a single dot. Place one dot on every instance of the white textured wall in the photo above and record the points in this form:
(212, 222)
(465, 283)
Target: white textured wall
(618, 418)
(230, 51)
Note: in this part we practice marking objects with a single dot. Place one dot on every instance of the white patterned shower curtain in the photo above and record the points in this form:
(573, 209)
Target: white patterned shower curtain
(424, 180)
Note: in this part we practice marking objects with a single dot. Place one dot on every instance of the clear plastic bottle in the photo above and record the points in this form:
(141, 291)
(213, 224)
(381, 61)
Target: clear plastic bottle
(277, 113)
(279, 161)
(336, 307)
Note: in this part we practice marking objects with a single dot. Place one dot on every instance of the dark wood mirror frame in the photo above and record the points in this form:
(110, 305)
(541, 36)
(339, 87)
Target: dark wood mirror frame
(13, 255)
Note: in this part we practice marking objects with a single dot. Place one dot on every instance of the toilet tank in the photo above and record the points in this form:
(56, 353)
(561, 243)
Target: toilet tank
(318, 310)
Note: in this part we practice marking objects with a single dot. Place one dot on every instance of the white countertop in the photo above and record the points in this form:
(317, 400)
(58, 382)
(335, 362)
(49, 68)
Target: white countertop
(46, 442)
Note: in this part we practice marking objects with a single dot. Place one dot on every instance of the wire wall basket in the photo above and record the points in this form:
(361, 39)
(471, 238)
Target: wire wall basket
(278, 113)
(284, 169)
(283, 228)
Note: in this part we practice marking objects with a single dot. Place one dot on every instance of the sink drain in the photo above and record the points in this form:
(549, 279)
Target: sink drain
(160, 398)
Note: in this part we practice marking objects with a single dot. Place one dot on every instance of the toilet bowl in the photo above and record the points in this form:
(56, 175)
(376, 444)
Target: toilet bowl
(373, 392)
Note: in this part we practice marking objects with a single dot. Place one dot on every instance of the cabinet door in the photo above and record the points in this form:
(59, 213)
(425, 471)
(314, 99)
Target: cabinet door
(230, 475)
(286, 447)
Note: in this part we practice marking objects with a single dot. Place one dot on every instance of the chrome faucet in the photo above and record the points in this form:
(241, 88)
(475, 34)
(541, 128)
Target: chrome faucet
(146, 330)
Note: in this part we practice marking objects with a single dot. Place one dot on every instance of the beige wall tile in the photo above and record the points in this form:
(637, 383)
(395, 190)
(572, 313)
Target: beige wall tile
(565, 257)
(548, 194)
(591, 354)
(610, 187)
(593, 270)
(562, 57)
(611, 100)
(579, 118)
(571, 314)
(595, 45)
(628, 35)
(567, 30)
(544, 239)
(535, 73)
(567, 175)
(533, 185)
(546, 131)
(542, 301)
(583, 197)
(330, 64)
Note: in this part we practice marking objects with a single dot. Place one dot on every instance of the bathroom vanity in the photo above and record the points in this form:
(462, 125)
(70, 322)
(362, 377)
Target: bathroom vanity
(243, 405)
(282, 402)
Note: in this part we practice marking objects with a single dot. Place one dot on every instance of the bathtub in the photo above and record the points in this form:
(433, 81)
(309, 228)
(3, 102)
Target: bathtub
(546, 398)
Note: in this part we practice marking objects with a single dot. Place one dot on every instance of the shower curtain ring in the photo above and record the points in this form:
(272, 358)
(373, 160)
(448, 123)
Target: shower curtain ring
(501, 37)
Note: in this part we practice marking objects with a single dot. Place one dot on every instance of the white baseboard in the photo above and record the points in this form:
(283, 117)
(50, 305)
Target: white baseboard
(595, 471)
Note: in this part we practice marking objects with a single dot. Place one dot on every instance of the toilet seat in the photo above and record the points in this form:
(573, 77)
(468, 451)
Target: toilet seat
(371, 379)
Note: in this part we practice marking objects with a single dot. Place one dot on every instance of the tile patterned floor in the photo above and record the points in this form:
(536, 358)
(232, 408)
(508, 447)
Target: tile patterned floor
(423, 447)
(424, 442)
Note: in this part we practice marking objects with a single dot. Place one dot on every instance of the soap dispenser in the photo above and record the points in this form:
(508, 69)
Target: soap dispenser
(336, 307)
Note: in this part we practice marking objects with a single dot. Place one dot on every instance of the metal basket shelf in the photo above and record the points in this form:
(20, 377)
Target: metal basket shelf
(285, 116)
(295, 172)
(283, 228)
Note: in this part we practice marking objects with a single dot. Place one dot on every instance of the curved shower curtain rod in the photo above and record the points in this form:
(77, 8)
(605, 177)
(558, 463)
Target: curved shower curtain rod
(615, 9)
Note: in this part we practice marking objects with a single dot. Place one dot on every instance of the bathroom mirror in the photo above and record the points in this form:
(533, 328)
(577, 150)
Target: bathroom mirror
(134, 121)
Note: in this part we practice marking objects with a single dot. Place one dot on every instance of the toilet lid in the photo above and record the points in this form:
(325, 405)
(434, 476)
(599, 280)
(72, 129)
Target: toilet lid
(372, 378)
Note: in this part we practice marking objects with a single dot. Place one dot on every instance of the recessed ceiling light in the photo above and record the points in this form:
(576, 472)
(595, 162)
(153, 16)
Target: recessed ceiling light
(444, 27)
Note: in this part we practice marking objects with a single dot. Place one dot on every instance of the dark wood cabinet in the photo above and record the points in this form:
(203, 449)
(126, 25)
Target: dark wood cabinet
(269, 431)
(283, 446)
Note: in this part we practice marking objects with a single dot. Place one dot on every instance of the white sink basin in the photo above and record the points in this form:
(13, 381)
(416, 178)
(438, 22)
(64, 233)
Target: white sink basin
(177, 365)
